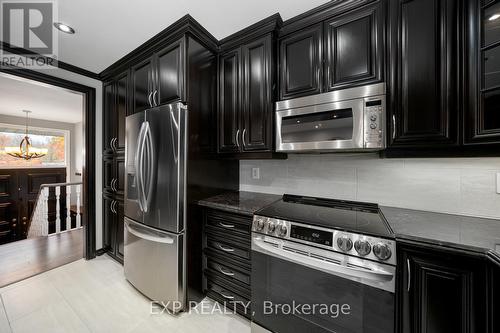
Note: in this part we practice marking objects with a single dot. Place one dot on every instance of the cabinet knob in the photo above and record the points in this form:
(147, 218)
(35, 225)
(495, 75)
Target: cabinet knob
(24, 218)
(14, 220)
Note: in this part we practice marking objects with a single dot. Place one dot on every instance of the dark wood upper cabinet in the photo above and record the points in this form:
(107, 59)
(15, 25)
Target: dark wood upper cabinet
(109, 102)
(425, 45)
(257, 96)
(301, 62)
(169, 74)
(121, 109)
(482, 121)
(440, 292)
(354, 46)
(229, 101)
(142, 85)
(115, 110)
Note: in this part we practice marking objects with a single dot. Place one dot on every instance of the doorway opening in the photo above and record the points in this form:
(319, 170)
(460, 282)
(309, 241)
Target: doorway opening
(46, 176)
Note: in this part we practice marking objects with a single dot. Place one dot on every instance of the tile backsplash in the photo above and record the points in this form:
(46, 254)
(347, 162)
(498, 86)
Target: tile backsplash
(464, 186)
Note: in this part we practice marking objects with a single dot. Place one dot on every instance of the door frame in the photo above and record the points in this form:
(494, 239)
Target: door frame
(88, 169)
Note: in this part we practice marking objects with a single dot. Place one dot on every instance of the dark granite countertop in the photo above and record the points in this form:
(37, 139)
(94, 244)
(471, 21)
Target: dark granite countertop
(466, 233)
(240, 202)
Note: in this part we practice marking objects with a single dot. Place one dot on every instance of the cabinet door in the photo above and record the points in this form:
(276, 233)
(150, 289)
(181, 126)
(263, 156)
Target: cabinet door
(142, 85)
(424, 108)
(119, 165)
(119, 237)
(482, 122)
(257, 120)
(108, 173)
(441, 293)
(170, 74)
(108, 223)
(109, 128)
(301, 63)
(229, 101)
(354, 44)
(121, 110)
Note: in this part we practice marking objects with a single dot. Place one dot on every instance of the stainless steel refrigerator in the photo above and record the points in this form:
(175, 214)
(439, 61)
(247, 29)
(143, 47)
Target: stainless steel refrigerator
(155, 202)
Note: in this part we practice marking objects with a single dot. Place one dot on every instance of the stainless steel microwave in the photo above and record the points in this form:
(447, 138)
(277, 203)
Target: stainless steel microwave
(351, 119)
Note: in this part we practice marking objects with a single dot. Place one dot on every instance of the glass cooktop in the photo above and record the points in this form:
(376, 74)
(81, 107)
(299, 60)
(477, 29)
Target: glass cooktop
(351, 216)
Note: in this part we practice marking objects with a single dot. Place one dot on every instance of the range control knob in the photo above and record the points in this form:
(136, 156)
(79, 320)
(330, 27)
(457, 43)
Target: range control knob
(373, 126)
(344, 243)
(373, 117)
(259, 224)
(282, 230)
(271, 227)
(362, 247)
(382, 251)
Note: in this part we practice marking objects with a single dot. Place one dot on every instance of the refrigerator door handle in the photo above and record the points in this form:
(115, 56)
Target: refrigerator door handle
(164, 239)
(138, 164)
(150, 165)
(176, 125)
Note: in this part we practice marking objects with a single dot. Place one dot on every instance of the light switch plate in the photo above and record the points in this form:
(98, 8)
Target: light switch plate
(498, 182)
(255, 173)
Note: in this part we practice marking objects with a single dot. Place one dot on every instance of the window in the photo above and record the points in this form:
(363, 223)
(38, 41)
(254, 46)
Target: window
(54, 140)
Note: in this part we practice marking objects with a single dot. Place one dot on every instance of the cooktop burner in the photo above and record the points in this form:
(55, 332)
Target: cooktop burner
(351, 216)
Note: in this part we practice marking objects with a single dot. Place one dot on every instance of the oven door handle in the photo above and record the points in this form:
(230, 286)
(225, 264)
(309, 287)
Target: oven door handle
(328, 266)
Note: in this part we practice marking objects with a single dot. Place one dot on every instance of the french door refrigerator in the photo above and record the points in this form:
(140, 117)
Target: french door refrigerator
(155, 203)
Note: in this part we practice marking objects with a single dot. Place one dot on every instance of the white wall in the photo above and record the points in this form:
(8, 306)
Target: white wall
(451, 185)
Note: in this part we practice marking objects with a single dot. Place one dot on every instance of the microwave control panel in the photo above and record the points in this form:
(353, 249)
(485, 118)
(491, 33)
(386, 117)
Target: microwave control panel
(374, 123)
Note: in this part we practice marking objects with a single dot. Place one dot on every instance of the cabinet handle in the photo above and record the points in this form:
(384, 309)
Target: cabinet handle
(113, 181)
(154, 98)
(225, 273)
(409, 274)
(112, 207)
(243, 137)
(226, 296)
(393, 126)
(237, 138)
(111, 143)
(114, 144)
(149, 98)
(226, 225)
(225, 249)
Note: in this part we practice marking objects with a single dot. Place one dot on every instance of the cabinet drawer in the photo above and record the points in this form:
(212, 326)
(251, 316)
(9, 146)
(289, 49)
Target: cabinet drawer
(227, 248)
(226, 293)
(227, 271)
(228, 223)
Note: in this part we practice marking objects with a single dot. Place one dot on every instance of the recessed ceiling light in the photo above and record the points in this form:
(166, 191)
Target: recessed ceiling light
(64, 28)
(494, 17)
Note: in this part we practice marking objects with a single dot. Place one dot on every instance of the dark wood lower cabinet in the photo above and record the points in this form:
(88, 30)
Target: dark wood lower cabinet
(441, 291)
(226, 258)
(113, 224)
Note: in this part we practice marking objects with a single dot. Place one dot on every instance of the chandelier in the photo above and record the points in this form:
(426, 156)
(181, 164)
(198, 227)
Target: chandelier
(25, 150)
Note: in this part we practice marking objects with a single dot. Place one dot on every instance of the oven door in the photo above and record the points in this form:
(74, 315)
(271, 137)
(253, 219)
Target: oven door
(288, 284)
(322, 127)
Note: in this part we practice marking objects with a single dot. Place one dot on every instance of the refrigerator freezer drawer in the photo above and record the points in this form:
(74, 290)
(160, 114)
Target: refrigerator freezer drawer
(154, 263)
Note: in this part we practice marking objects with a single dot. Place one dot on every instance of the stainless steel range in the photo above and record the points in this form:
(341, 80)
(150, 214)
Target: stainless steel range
(338, 256)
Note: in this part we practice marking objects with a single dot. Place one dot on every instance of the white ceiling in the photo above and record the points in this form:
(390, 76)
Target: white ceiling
(46, 102)
(108, 30)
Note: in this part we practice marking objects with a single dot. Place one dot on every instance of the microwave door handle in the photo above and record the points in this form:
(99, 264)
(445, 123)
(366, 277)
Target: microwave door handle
(333, 268)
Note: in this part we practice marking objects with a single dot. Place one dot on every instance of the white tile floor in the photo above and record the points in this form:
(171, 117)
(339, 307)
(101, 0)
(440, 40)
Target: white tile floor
(93, 296)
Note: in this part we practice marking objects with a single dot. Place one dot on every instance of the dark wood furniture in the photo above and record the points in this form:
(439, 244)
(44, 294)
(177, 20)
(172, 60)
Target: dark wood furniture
(226, 258)
(247, 81)
(482, 88)
(19, 190)
(443, 87)
(332, 47)
(444, 290)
